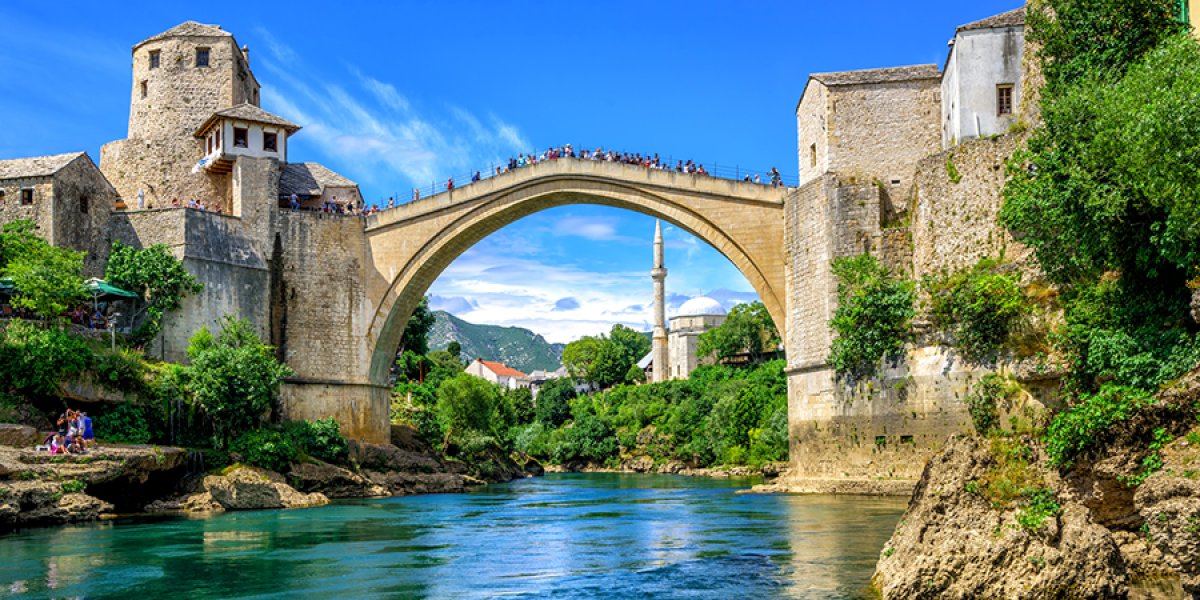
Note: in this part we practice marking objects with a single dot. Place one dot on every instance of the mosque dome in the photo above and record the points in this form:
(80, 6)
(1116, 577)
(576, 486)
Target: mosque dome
(700, 305)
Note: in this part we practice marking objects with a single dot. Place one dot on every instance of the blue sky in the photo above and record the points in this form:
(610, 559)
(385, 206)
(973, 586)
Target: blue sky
(402, 94)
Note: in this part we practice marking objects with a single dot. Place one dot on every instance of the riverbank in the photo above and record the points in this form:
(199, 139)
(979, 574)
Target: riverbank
(768, 471)
(37, 488)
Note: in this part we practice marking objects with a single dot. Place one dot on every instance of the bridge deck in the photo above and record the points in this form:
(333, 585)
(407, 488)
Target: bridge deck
(588, 169)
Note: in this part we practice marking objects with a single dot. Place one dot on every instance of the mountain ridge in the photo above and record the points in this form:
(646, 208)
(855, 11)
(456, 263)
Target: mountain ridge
(516, 347)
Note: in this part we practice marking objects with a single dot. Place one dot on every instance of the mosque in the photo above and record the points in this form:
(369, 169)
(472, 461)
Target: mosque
(673, 351)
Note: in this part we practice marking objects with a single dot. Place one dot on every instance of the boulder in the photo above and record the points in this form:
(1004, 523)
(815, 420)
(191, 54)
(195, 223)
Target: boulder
(249, 488)
(333, 481)
(21, 436)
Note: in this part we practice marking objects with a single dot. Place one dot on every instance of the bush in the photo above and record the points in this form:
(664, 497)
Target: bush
(980, 306)
(467, 404)
(234, 376)
(589, 440)
(123, 423)
(270, 449)
(321, 439)
(34, 360)
(872, 317)
(982, 402)
(121, 371)
(1080, 427)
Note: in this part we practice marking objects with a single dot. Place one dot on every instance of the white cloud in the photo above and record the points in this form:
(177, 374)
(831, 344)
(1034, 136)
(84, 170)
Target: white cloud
(376, 128)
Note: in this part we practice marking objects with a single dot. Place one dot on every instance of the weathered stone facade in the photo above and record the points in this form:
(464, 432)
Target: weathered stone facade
(66, 196)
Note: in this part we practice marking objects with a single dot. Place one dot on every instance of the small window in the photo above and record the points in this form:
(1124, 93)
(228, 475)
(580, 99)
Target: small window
(201, 57)
(1004, 99)
(83, 204)
(881, 441)
(1, 197)
(906, 439)
(155, 57)
(145, 88)
(27, 197)
(240, 136)
(812, 155)
(270, 142)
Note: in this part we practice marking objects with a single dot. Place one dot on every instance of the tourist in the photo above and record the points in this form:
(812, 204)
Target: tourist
(392, 201)
(450, 184)
(416, 194)
(141, 196)
(89, 438)
(475, 177)
(295, 201)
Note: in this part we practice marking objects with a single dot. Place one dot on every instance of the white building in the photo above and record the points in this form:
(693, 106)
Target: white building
(981, 83)
(696, 316)
(497, 373)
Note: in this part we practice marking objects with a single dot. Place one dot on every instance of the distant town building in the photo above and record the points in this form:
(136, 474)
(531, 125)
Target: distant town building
(981, 83)
(66, 196)
(497, 373)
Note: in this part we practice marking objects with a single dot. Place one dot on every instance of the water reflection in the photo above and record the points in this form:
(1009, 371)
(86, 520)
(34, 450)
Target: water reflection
(562, 536)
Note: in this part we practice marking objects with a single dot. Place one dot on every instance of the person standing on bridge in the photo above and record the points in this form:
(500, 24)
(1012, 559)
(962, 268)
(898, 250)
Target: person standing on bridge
(475, 177)
(449, 183)
(416, 194)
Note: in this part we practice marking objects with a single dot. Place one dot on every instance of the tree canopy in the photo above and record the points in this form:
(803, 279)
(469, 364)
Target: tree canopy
(748, 328)
(156, 275)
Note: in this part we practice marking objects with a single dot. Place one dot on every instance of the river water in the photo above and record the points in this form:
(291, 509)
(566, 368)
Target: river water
(558, 536)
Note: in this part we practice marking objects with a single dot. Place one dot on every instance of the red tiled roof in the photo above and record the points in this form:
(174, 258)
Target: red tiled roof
(501, 369)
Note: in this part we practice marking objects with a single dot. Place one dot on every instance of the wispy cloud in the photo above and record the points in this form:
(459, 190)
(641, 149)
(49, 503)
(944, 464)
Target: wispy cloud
(369, 125)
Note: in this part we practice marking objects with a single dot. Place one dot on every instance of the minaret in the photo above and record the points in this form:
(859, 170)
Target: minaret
(659, 341)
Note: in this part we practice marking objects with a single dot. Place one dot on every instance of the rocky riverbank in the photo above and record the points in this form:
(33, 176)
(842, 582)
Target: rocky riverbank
(37, 488)
(1097, 534)
(645, 464)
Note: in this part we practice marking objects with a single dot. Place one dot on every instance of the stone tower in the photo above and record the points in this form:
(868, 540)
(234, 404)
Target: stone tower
(659, 341)
(181, 77)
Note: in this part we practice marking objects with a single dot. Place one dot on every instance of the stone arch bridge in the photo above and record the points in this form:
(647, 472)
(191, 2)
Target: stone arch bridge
(342, 346)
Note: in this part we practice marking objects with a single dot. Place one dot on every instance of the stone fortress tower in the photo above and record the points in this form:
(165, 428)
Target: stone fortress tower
(181, 78)
(659, 340)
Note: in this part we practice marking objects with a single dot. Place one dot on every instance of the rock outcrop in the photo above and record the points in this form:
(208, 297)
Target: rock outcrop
(1103, 535)
(37, 488)
(18, 436)
(250, 488)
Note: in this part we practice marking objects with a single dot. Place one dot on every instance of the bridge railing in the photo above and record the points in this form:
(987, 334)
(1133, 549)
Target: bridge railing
(721, 171)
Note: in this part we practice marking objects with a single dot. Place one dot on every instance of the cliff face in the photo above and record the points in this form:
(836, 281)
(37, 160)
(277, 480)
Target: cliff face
(971, 532)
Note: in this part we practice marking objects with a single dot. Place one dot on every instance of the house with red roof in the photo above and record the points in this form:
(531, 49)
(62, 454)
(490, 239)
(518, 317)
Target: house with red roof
(498, 373)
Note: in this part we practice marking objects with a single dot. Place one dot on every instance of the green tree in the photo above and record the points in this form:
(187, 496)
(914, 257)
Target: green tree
(48, 279)
(234, 376)
(873, 315)
(467, 404)
(416, 334)
(631, 345)
(552, 407)
(156, 275)
(35, 360)
(1080, 39)
(981, 306)
(455, 350)
(748, 328)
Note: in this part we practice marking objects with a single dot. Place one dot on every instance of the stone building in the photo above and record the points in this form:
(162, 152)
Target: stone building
(181, 77)
(981, 83)
(68, 198)
(696, 316)
(868, 126)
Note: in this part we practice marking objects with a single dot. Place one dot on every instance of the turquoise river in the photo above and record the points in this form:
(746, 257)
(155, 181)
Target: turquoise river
(559, 536)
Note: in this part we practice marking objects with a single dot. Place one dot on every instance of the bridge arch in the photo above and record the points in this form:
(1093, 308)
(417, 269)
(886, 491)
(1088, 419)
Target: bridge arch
(411, 246)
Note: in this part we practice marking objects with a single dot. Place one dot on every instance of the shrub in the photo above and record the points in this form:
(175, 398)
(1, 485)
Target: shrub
(552, 406)
(321, 439)
(1078, 428)
(267, 448)
(982, 402)
(467, 404)
(1038, 504)
(73, 486)
(122, 423)
(121, 371)
(590, 439)
(234, 376)
(34, 359)
(980, 306)
(872, 317)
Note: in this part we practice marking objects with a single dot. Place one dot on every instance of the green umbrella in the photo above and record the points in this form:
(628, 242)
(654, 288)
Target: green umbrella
(99, 287)
(6, 286)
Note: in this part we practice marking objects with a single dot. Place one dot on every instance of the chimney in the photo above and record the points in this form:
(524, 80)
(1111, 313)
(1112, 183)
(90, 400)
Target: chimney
(246, 54)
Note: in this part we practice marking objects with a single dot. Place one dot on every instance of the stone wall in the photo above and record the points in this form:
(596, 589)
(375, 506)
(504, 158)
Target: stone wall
(955, 224)
(180, 95)
(812, 131)
(83, 203)
(878, 132)
(214, 249)
(42, 209)
(163, 169)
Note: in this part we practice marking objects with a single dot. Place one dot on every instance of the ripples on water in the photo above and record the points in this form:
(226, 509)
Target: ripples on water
(560, 536)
